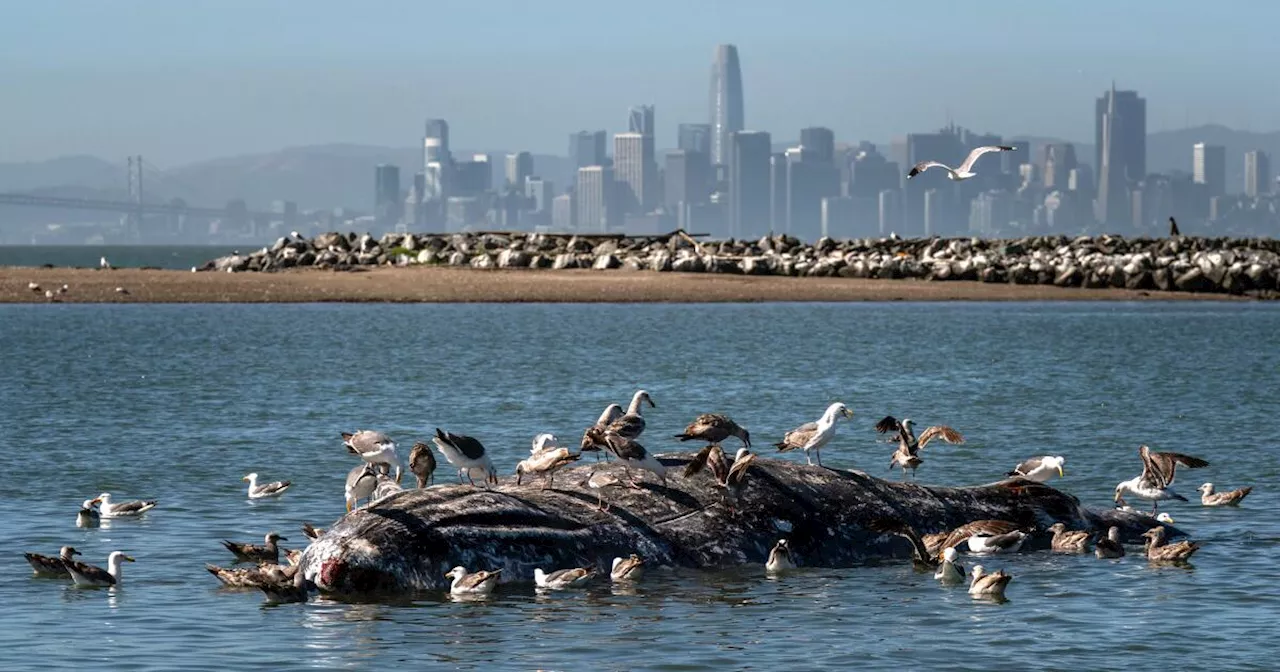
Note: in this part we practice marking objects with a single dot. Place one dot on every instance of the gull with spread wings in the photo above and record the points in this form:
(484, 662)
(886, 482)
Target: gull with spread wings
(1158, 470)
(965, 170)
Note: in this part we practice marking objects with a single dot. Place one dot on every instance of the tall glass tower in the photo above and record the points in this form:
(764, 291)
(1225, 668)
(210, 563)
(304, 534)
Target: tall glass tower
(726, 101)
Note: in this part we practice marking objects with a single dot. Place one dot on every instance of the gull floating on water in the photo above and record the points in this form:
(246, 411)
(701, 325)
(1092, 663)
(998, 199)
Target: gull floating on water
(136, 507)
(1162, 517)
(627, 569)
(286, 591)
(480, 583)
(374, 448)
(88, 515)
(780, 559)
(563, 579)
(1069, 541)
(922, 556)
(812, 436)
(267, 552)
(629, 452)
(965, 170)
(907, 456)
(1040, 469)
(611, 412)
(50, 566)
(422, 462)
(1109, 546)
(361, 482)
(545, 463)
(273, 489)
(1232, 498)
(949, 571)
(1160, 551)
(465, 453)
(987, 528)
(631, 424)
(252, 577)
(88, 575)
(714, 428)
(988, 585)
(1158, 471)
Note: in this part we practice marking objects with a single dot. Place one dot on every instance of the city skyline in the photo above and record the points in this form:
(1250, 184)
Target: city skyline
(865, 72)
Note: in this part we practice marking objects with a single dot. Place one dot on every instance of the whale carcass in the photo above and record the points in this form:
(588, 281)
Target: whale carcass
(408, 540)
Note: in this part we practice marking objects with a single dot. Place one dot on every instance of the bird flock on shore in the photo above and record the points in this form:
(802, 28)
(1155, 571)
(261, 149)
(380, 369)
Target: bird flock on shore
(615, 435)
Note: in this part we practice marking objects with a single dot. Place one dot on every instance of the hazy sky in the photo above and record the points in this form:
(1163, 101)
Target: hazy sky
(186, 80)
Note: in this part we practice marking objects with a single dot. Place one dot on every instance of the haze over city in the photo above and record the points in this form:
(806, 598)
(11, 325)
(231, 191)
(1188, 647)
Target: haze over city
(127, 79)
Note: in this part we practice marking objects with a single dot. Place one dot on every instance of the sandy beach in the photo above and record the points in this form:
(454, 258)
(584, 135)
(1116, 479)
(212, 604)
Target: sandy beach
(451, 285)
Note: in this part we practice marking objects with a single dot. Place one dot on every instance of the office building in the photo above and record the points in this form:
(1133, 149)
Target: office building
(778, 193)
(472, 178)
(687, 179)
(635, 171)
(587, 148)
(1209, 167)
(749, 153)
(519, 168)
(1257, 174)
(726, 102)
(811, 177)
(640, 120)
(819, 143)
(387, 206)
(695, 138)
(562, 214)
(540, 193)
(1121, 152)
(597, 209)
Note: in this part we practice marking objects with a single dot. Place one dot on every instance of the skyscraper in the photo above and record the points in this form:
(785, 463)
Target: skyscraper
(436, 141)
(587, 148)
(1209, 167)
(749, 184)
(695, 138)
(687, 180)
(597, 208)
(811, 177)
(1128, 157)
(519, 168)
(1257, 173)
(640, 120)
(819, 143)
(726, 101)
(635, 172)
(437, 163)
(387, 205)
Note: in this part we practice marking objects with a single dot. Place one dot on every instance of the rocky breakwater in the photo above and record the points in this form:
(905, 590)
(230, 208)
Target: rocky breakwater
(1218, 265)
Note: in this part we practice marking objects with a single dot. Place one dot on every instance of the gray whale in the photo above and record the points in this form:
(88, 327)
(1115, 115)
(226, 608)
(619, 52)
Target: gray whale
(408, 540)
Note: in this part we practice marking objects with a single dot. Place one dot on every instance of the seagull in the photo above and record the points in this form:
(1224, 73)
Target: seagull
(360, 484)
(312, 533)
(373, 447)
(713, 456)
(949, 571)
(964, 171)
(1158, 471)
(88, 575)
(1160, 551)
(1109, 546)
(627, 569)
(51, 567)
(1233, 498)
(287, 591)
(268, 552)
(121, 290)
(1073, 541)
(546, 463)
(988, 585)
(34, 286)
(295, 234)
(274, 489)
(714, 428)
(907, 455)
(422, 462)
(544, 441)
(1173, 228)
(598, 482)
(812, 436)
(922, 558)
(480, 583)
(1040, 469)
(124, 509)
(103, 263)
(1009, 542)
(629, 452)
(48, 294)
(736, 478)
(631, 424)
(959, 535)
(780, 559)
(88, 515)
(563, 578)
(465, 453)
(611, 412)
(252, 577)
(64, 289)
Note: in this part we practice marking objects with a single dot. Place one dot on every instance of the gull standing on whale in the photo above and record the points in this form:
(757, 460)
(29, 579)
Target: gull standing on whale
(373, 447)
(629, 452)
(1158, 471)
(812, 436)
(611, 412)
(422, 462)
(965, 170)
(360, 484)
(714, 428)
(907, 455)
(631, 424)
(465, 453)
(1040, 469)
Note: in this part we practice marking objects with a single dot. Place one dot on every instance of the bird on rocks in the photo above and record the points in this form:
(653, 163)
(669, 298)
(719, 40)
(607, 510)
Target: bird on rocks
(1040, 469)
(1068, 541)
(260, 491)
(627, 569)
(480, 583)
(255, 553)
(1158, 471)
(50, 566)
(780, 559)
(34, 287)
(965, 170)
(1158, 550)
(422, 462)
(907, 456)
(1208, 497)
(466, 453)
(714, 428)
(629, 452)
(983, 584)
(1109, 546)
(812, 436)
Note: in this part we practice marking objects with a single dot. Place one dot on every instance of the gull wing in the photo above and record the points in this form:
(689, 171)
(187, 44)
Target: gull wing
(967, 166)
(940, 432)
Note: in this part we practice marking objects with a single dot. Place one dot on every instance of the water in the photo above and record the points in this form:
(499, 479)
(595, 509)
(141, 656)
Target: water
(179, 402)
(179, 257)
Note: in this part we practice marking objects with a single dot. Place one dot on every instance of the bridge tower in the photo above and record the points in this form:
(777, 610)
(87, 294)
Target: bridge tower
(134, 225)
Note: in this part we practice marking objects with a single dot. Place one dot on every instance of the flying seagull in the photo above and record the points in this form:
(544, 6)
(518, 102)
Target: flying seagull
(965, 170)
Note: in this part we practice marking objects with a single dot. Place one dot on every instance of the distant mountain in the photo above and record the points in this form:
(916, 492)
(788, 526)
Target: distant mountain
(326, 176)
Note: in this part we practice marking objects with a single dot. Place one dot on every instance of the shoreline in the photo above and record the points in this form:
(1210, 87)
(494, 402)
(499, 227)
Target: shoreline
(435, 284)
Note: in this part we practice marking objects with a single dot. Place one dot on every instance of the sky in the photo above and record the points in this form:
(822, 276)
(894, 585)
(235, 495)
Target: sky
(191, 80)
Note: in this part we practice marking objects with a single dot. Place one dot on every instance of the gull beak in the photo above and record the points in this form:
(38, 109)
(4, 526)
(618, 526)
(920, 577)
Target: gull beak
(96, 500)
(348, 506)
(1061, 473)
(847, 413)
(245, 478)
(129, 558)
(282, 539)
(1170, 520)
(76, 553)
